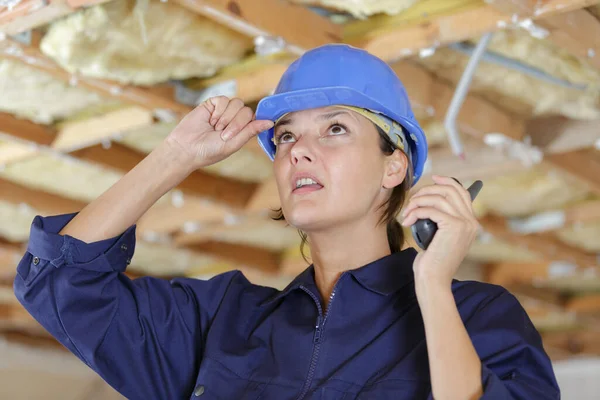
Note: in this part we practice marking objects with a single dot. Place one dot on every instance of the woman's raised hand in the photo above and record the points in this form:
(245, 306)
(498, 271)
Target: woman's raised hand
(214, 130)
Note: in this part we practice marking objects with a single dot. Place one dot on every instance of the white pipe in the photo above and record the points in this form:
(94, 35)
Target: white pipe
(460, 93)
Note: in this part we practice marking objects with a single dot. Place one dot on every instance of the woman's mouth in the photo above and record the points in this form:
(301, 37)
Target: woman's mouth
(306, 185)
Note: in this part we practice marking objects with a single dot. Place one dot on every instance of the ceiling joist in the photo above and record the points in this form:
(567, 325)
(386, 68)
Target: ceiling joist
(575, 31)
(154, 99)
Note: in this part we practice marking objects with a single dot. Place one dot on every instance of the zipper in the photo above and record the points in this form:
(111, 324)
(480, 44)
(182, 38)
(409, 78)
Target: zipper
(317, 336)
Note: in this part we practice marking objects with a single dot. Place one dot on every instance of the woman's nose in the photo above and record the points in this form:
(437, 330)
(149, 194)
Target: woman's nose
(302, 152)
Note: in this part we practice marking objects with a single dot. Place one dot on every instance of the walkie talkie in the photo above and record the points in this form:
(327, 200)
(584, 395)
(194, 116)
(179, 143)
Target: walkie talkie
(424, 229)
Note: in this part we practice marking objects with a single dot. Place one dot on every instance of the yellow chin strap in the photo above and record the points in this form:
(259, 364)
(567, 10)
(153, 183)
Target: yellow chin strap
(389, 126)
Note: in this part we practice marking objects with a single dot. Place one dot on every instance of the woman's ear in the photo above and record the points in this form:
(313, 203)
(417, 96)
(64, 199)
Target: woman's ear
(395, 170)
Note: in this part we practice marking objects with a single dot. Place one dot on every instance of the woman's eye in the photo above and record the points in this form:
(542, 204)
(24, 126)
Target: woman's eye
(337, 129)
(285, 137)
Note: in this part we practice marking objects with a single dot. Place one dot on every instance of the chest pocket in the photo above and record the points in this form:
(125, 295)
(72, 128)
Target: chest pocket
(217, 382)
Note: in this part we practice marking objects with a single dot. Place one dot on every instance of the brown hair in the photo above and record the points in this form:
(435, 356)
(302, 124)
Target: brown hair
(393, 205)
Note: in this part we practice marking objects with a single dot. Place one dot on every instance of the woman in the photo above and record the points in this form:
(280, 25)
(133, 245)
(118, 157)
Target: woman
(367, 320)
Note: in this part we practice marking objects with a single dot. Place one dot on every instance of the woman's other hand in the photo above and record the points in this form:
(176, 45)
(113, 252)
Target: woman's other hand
(449, 205)
(214, 130)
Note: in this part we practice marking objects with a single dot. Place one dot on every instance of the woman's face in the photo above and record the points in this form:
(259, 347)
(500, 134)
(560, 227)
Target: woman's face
(330, 170)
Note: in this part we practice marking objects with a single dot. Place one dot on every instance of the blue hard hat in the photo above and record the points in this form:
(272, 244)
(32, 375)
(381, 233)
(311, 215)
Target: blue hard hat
(339, 74)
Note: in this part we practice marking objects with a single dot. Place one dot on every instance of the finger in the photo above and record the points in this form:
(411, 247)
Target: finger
(241, 119)
(229, 114)
(449, 192)
(432, 200)
(437, 216)
(220, 105)
(249, 131)
(464, 193)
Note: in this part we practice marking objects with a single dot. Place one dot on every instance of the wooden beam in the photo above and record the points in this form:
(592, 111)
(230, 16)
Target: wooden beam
(577, 342)
(37, 199)
(26, 130)
(546, 245)
(585, 304)
(398, 36)
(582, 212)
(30, 14)
(559, 134)
(74, 135)
(301, 28)
(511, 274)
(122, 158)
(166, 218)
(477, 117)
(427, 94)
(10, 254)
(32, 341)
(576, 31)
(252, 78)
(265, 197)
(250, 256)
(146, 98)
(583, 164)
(53, 204)
(229, 191)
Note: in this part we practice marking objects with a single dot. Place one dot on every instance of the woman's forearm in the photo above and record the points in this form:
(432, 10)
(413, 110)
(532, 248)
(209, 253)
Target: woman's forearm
(128, 199)
(455, 367)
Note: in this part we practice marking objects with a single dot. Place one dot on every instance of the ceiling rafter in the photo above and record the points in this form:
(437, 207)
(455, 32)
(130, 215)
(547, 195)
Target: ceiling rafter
(300, 28)
(544, 244)
(576, 31)
(158, 98)
(402, 36)
(30, 14)
(228, 191)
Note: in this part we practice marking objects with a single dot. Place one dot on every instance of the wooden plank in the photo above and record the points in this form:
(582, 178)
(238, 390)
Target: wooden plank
(122, 158)
(10, 254)
(166, 218)
(583, 164)
(37, 199)
(460, 20)
(477, 117)
(301, 28)
(585, 304)
(31, 14)
(546, 245)
(230, 192)
(262, 259)
(74, 135)
(576, 31)
(26, 130)
(582, 212)
(32, 341)
(147, 98)
(252, 79)
(577, 342)
(53, 204)
(559, 134)
(511, 274)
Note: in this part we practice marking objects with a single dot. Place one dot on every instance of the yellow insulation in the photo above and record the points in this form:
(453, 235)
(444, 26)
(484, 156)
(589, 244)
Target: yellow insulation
(520, 93)
(528, 192)
(35, 95)
(143, 43)
(363, 8)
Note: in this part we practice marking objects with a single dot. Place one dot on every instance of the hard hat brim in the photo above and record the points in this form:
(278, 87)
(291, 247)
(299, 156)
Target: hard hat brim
(273, 107)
